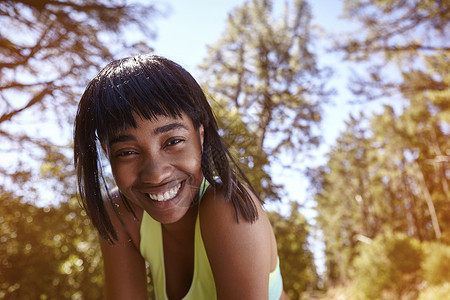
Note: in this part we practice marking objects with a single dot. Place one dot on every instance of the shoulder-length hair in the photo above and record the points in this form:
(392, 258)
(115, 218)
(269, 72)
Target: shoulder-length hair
(149, 86)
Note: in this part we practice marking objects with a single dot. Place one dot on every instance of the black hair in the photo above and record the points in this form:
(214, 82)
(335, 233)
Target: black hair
(149, 86)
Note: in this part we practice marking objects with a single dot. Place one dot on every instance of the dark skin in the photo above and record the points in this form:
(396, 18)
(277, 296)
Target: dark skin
(178, 247)
(162, 159)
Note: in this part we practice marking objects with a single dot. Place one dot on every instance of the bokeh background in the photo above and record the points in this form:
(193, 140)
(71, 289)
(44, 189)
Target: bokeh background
(338, 110)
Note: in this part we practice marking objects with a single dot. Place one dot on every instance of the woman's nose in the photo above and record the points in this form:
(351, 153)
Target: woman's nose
(154, 170)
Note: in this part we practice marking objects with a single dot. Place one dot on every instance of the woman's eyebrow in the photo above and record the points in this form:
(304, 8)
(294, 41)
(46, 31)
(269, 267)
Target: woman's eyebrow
(158, 130)
(121, 138)
(169, 127)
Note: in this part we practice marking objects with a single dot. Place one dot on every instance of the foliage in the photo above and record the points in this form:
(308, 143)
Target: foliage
(296, 259)
(243, 145)
(346, 199)
(393, 266)
(374, 180)
(390, 262)
(263, 66)
(48, 253)
(439, 292)
(397, 38)
(436, 265)
(390, 170)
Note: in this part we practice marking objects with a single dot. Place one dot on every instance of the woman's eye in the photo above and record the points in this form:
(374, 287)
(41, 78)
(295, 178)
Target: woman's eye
(124, 153)
(174, 141)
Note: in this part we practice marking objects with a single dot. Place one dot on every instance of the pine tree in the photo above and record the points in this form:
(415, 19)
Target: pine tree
(265, 67)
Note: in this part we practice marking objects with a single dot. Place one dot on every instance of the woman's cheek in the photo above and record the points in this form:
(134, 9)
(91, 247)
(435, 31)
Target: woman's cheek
(193, 164)
(121, 176)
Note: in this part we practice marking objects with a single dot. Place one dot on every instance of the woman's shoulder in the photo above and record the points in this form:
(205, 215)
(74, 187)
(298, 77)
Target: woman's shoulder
(214, 201)
(239, 251)
(215, 207)
(218, 217)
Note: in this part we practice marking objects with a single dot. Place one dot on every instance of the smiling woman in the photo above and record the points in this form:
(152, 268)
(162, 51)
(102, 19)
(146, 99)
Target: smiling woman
(181, 203)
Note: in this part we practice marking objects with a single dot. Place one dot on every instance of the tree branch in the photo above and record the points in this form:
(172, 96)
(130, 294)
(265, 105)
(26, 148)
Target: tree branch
(37, 98)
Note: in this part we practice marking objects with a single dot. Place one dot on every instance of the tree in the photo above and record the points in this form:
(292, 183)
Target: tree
(374, 182)
(398, 37)
(264, 67)
(411, 40)
(45, 62)
(244, 148)
(408, 144)
(395, 176)
(388, 268)
(346, 192)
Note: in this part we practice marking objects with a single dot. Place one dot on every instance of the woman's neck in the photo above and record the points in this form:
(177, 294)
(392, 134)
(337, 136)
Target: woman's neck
(183, 230)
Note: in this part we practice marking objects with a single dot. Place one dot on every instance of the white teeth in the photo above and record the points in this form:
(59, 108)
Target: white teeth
(166, 195)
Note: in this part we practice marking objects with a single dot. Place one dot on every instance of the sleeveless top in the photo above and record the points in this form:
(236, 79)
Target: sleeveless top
(203, 285)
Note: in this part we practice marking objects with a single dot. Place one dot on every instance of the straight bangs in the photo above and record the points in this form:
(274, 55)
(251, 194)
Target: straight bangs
(130, 88)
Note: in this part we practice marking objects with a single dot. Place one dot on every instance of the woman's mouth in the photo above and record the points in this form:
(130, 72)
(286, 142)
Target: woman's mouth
(167, 195)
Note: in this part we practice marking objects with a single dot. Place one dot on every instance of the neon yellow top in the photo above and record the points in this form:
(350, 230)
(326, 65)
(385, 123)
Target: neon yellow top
(203, 285)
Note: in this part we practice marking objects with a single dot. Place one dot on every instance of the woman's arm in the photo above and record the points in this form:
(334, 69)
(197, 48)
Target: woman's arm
(241, 254)
(124, 267)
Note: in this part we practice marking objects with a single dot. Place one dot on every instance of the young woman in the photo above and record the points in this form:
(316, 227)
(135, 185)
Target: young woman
(181, 203)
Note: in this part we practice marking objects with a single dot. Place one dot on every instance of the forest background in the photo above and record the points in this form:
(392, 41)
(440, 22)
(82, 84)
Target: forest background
(378, 194)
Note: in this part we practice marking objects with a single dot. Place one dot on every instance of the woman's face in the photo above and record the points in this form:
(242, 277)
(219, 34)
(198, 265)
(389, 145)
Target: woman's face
(157, 165)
